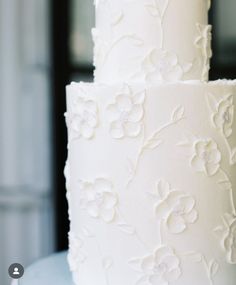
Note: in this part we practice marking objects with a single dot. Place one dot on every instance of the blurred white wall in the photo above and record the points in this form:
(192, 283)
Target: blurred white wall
(26, 210)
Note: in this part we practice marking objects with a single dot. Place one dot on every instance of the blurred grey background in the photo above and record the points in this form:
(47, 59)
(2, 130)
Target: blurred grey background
(44, 44)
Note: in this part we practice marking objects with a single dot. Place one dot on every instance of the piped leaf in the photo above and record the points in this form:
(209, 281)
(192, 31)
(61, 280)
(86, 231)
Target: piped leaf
(128, 229)
(178, 114)
(214, 267)
(107, 263)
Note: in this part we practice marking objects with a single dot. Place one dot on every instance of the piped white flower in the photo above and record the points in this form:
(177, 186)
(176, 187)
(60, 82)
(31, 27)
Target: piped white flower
(162, 267)
(230, 242)
(126, 113)
(227, 233)
(207, 157)
(177, 209)
(76, 255)
(98, 199)
(223, 118)
(82, 118)
(203, 39)
(161, 65)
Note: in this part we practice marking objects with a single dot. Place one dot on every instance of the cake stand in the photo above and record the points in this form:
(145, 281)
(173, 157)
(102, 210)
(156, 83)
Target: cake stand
(49, 271)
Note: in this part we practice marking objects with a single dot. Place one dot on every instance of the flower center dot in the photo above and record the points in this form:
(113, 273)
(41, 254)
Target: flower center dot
(99, 198)
(206, 156)
(179, 210)
(124, 116)
(160, 268)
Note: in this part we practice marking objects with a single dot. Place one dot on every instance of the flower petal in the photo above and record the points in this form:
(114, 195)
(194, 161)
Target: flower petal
(171, 58)
(198, 164)
(173, 199)
(172, 275)
(163, 189)
(191, 217)
(91, 106)
(212, 168)
(86, 131)
(156, 279)
(162, 210)
(110, 200)
(153, 76)
(200, 147)
(139, 98)
(124, 103)
(162, 252)
(175, 223)
(214, 156)
(171, 261)
(102, 185)
(113, 113)
(218, 121)
(76, 123)
(92, 121)
(156, 55)
(93, 209)
(211, 145)
(147, 264)
(116, 130)
(108, 215)
(173, 74)
(136, 114)
(132, 129)
(187, 203)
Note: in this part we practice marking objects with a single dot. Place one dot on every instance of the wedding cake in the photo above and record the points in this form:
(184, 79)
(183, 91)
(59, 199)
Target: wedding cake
(152, 152)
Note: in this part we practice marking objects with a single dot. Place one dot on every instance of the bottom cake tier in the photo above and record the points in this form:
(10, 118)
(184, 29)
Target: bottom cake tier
(151, 183)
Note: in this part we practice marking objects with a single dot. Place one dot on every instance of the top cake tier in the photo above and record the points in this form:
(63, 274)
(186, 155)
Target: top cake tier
(151, 40)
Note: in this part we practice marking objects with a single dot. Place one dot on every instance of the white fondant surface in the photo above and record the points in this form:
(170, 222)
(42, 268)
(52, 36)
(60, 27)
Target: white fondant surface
(151, 183)
(151, 40)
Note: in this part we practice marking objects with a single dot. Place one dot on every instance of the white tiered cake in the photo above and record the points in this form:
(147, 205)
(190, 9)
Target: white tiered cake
(152, 152)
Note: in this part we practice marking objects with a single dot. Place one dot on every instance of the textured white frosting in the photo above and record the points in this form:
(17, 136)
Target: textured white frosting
(151, 40)
(150, 178)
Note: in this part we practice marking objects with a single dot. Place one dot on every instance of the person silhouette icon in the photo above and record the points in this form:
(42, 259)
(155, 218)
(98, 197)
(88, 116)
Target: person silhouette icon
(16, 271)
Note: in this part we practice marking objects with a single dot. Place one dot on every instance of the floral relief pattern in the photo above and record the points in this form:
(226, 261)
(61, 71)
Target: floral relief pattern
(162, 267)
(230, 242)
(203, 42)
(83, 118)
(76, 256)
(175, 208)
(227, 233)
(154, 140)
(99, 199)
(161, 65)
(207, 157)
(126, 114)
(224, 116)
